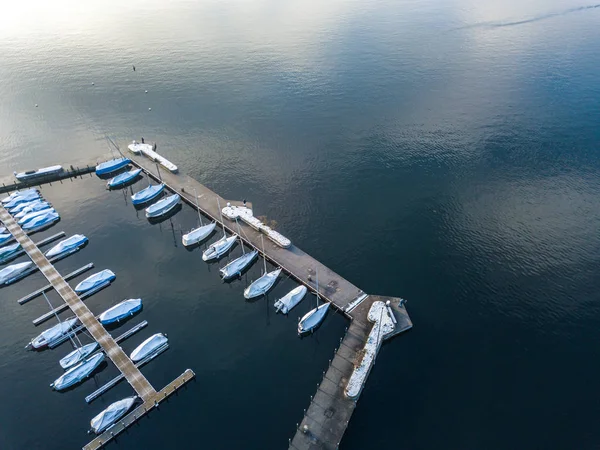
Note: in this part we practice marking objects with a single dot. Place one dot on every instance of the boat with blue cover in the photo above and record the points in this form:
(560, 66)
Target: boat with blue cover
(163, 206)
(14, 270)
(24, 198)
(5, 237)
(123, 178)
(8, 252)
(120, 311)
(17, 193)
(31, 207)
(78, 373)
(111, 166)
(67, 246)
(32, 215)
(147, 194)
(93, 281)
(21, 206)
(78, 355)
(43, 221)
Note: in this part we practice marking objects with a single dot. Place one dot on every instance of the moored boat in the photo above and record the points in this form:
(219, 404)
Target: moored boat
(8, 251)
(262, 285)
(14, 270)
(148, 347)
(23, 198)
(78, 373)
(291, 299)
(17, 193)
(105, 276)
(111, 414)
(38, 205)
(314, 317)
(111, 166)
(238, 265)
(219, 248)
(52, 334)
(121, 311)
(5, 237)
(77, 355)
(39, 173)
(43, 221)
(197, 235)
(163, 206)
(67, 246)
(32, 215)
(2, 230)
(21, 206)
(123, 178)
(147, 194)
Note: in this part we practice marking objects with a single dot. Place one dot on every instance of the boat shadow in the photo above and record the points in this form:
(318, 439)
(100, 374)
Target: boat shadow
(165, 217)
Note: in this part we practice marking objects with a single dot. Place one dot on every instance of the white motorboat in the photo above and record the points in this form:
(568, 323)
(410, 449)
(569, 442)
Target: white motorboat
(197, 235)
(78, 373)
(23, 198)
(237, 266)
(52, 334)
(78, 355)
(121, 311)
(123, 178)
(67, 246)
(5, 238)
(43, 221)
(32, 215)
(43, 172)
(148, 347)
(163, 206)
(93, 281)
(21, 206)
(17, 193)
(8, 251)
(147, 194)
(111, 166)
(111, 414)
(314, 317)
(286, 303)
(14, 270)
(31, 207)
(262, 285)
(219, 248)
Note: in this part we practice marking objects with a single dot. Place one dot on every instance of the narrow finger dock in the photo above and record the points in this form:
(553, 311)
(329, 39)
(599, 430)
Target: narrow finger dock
(145, 391)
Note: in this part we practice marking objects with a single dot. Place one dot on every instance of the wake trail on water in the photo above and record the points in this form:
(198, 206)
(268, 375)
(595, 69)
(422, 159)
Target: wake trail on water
(500, 24)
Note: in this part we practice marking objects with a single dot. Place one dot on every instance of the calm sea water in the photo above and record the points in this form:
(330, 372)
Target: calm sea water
(445, 152)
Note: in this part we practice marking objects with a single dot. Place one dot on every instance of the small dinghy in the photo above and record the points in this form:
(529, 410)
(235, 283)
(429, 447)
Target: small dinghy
(111, 414)
(219, 248)
(291, 299)
(31, 208)
(123, 178)
(23, 198)
(262, 285)
(78, 355)
(162, 206)
(78, 373)
(148, 347)
(314, 317)
(54, 333)
(67, 246)
(14, 270)
(147, 194)
(93, 281)
(43, 172)
(5, 238)
(32, 215)
(43, 221)
(111, 166)
(21, 206)
(237, 266)
(17, 193)
(8, 252)
(121, 311)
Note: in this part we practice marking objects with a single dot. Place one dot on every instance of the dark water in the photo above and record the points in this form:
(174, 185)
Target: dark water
(445, 152)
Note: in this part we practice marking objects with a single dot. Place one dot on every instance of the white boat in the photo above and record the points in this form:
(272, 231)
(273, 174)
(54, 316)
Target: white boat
(67, 246)
(162, 206)
(314, 317)
(237, 266)
(197, 235)
(78, 373)
(111, 166)
(32, 207)
(286, 303)
(147, 150)
(95, 280)
(262, 285)
(32, 215)
(5, 238)
(219, 248)
(2, 230)
(123, 178)
(17, 193)
(148, 347)
(43, 221)
(138, 147)
(43, 172)
(147, 194)
(111, 414)
(23, 198)
(77, 355)
(21, 206)
(121, 311)
(52, 334)
(14, 270)
(8, 251)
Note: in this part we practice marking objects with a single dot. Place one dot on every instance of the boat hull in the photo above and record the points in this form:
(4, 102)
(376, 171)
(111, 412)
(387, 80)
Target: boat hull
(8, 252)
(111, 414)
(78, 373)
(262, 285)
(312, 319)
(32, 215)
(148, 347)
(286, 303)
(40, 222)
(11, 272)
(163, 206)
(40, 173)
(123, 179)
(111, 166)
(120, 311)
(30, 208)
(147, 194)
(21, 199)
(67, 246)
(106, 276)
(237, 266)
(78, 355)
(219, 248)
(52, 334)
(198, 235)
